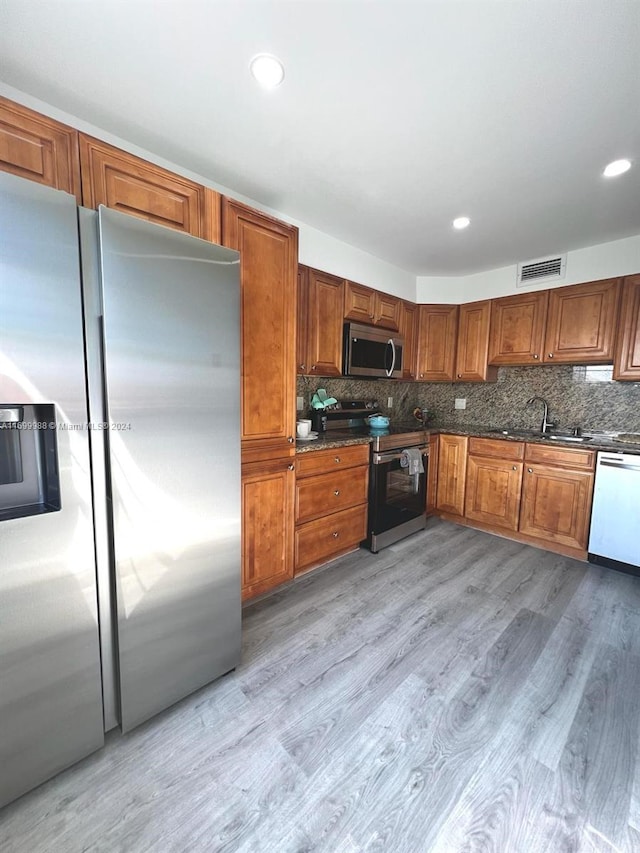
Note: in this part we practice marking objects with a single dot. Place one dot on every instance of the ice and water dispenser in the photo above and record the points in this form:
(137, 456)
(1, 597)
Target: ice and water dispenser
(29, 479)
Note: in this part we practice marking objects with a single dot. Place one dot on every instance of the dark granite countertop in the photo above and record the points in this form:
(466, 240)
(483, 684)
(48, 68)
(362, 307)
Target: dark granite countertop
(326, 441)
(598, 441)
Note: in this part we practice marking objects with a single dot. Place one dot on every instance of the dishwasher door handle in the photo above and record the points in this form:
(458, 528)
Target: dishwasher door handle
(609, 463)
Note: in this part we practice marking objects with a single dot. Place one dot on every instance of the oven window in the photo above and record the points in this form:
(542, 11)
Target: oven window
(10, 457)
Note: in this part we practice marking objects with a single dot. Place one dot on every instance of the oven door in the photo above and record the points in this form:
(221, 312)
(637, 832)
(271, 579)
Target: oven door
(397, 499)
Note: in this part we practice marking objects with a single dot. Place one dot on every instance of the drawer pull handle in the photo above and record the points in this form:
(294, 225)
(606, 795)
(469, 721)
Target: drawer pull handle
(550, 355)
(530, 470)
(291, 467)
(535, 355)
(336, 492)
(459, 376)
(335, 534)
(514, 468)
(337, 459)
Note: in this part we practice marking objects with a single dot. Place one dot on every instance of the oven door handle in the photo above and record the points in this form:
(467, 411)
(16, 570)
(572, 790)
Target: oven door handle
(391, 456)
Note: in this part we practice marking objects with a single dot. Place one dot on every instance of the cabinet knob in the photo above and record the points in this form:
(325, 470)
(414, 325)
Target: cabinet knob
(535, 355)
(550, 355)
(304, 366)
(337, 459)
(530, 470)
(313, 367)
(335, 534)
(514, 468)
(337, 492)
(291, 439)
(291, 467)
(421, 375)
(459, 376)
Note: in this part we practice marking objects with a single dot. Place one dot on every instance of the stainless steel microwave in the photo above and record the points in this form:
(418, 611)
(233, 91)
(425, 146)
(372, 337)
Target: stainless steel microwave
(369, 351)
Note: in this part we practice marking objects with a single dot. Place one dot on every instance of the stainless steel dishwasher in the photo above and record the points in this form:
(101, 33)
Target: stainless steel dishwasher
(614, 539)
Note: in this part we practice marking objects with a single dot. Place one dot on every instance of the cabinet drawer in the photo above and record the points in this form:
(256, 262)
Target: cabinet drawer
(497, 448)
(323, 461)
(327, 493)
(564, 456)
(319, 540)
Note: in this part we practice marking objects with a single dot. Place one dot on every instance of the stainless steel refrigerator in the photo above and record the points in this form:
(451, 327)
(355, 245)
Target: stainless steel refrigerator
(119, 475)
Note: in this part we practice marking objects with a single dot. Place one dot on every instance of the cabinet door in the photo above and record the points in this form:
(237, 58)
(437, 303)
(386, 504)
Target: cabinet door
(302, 320)
(473, 343)
(359, 302)
(387, 311)
(38, 148)
(493, 491)
(268, 267)
(324, 325)
(517, 328)
(408, 327)
(437, 332)
(267, 525)
(581, 323)
(556, 505)
(452, 465)
(627, 360)
(132, 185)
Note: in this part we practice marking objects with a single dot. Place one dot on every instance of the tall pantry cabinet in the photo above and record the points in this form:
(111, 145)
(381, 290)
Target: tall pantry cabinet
(269, 260)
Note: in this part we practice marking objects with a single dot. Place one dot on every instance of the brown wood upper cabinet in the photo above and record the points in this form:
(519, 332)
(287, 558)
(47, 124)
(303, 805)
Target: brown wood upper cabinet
(320, 354)
(517, 328)
(365, 305)
(268, 267)
(473, 343)
(38, 148)
(581, 323)
(437, 333)
(626, 364)
(132, 185)
(408, 327)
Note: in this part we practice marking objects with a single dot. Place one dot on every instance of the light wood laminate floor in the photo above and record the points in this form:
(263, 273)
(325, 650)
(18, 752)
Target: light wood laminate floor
(457, 692)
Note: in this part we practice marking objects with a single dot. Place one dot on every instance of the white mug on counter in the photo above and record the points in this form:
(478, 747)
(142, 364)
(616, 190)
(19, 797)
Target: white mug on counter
(303, 428)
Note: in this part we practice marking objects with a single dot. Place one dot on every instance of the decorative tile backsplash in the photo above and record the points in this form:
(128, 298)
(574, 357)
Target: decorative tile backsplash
(577, 396)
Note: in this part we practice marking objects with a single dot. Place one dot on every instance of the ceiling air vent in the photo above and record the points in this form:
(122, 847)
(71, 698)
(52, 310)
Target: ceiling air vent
(542, 269)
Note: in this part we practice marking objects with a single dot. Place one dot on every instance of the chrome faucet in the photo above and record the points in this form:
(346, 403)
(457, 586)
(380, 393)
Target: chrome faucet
(546, 423)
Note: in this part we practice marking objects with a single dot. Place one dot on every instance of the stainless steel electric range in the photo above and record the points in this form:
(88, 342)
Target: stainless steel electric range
(397, 494)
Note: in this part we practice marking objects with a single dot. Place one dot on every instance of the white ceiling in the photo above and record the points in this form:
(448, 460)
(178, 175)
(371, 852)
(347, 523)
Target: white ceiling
(394, 116)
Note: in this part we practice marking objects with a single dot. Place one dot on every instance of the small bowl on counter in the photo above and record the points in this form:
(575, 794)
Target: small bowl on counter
(378, 421)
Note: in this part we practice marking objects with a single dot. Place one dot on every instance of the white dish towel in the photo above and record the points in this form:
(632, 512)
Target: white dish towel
(411, 458)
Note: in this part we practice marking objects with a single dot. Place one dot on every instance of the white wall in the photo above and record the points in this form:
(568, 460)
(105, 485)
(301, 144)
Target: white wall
(316, 248)
(606, 260)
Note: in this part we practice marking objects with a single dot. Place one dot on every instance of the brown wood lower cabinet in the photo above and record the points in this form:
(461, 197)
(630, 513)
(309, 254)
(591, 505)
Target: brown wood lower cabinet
(537, 493)
(494, 484)
(267, 524)
(452, 465)
(330, 503)
(556, 495)
(432, 476)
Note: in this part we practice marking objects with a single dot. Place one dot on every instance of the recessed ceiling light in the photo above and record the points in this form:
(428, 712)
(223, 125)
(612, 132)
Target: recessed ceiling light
(618, 167)
(461, 222)
(267, 69)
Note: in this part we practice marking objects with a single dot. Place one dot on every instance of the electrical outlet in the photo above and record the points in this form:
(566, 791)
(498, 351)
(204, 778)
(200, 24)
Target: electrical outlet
(389, 402)
(299, 404)
(460, 403)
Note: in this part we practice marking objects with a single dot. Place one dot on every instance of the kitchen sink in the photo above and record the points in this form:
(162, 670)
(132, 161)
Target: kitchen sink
(547, 436)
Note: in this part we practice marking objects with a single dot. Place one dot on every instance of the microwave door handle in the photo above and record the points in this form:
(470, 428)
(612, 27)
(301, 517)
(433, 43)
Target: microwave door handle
(393, 357)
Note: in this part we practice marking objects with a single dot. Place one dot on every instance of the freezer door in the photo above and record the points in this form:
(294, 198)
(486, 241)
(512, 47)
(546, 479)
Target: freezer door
(171, 325)
(50, 695)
